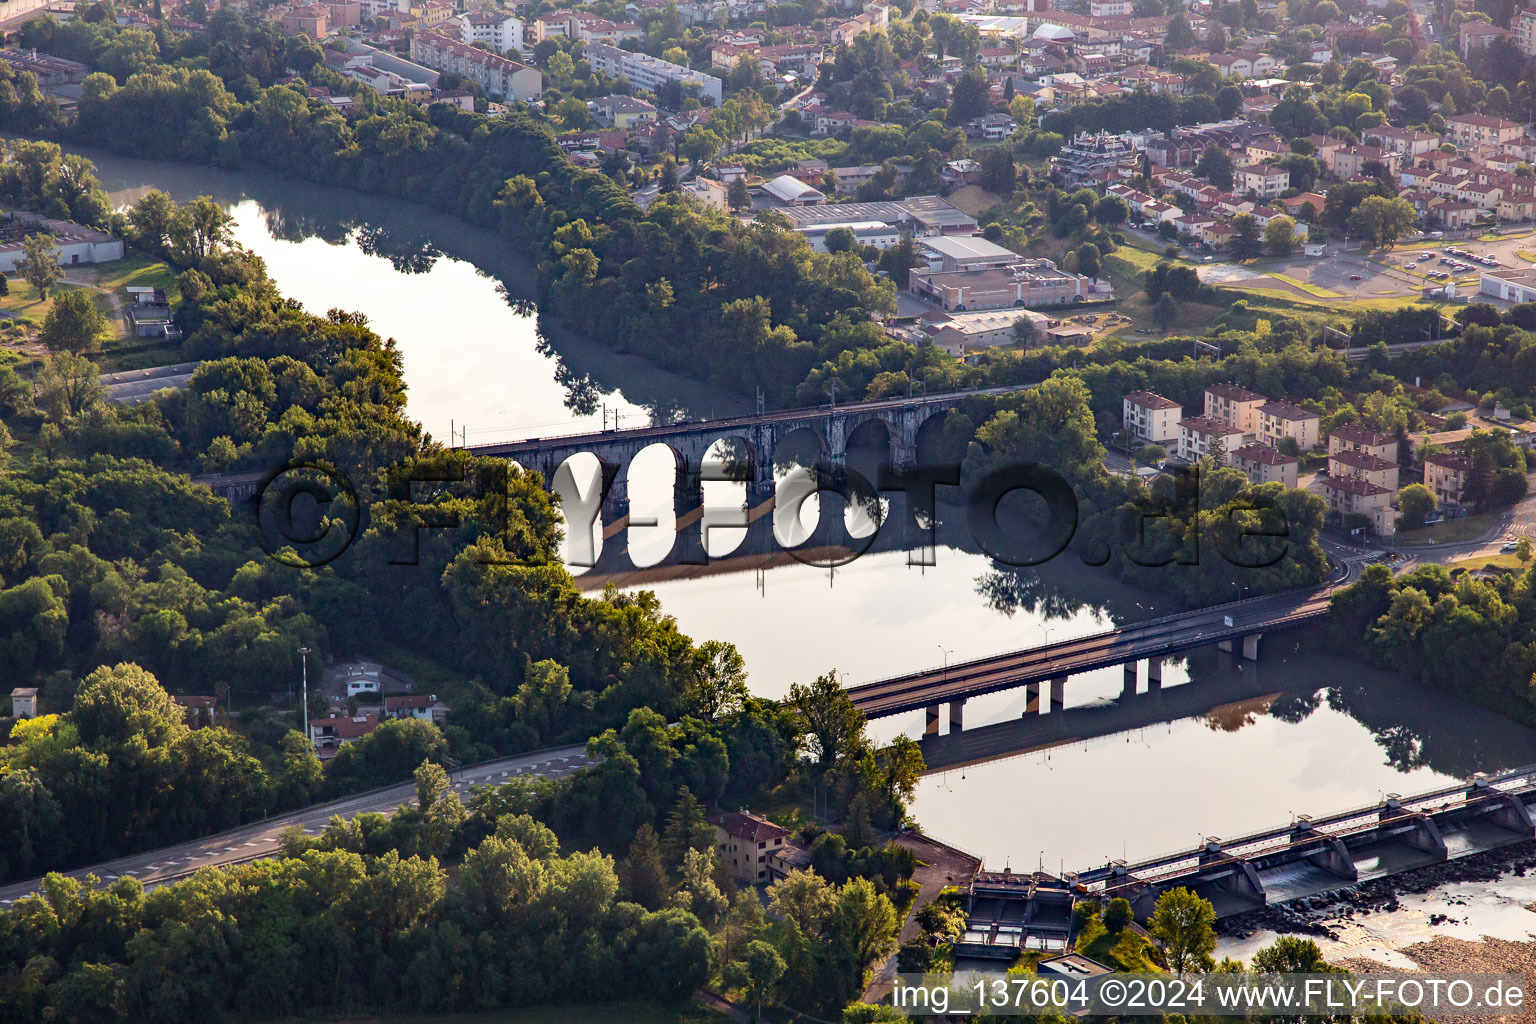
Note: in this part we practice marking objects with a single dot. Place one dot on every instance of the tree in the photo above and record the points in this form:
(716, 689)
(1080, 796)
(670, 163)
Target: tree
(1215, 166)
(39, 263)
(840, 239)
(1415, 501)
(150, 220)
(1118, 914)
(718, 683)
(644, 878)
(1110, 211)
(73, 324)
(199, 229)
(863, 924)
(759, 966)
(836, 728)
(1247, 242)
(1280, 236)
(687, 828)
(1151, 454)
(1180, 36)
(1185, 924)
(668, 177)
(431, 783)
(1382, 220)
(68, 385)
(998, 174)
(1088, 260)
(1523, 550)
(736, 193)
(1166, 311)
(1025, 333)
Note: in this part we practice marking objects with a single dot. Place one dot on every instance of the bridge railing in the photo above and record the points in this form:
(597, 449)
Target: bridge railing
(1316, 590)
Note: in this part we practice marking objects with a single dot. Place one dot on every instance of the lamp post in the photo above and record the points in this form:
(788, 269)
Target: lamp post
(304, 670)
(946, 652)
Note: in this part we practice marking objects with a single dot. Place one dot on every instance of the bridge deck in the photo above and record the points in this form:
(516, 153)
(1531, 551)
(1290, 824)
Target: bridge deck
(1156, 637)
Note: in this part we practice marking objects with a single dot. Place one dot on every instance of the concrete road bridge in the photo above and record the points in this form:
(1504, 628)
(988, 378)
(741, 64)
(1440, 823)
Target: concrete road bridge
(1238, 625)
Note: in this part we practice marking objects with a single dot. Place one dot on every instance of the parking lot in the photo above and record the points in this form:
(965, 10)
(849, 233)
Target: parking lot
(1398, 273)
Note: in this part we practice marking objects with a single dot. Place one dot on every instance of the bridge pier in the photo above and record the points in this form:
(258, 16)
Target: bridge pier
(1058, 695)
(1031, 699)
(1154, 674)
(956, 715)
(1128, 685)
(931, 726)
(1251, 646)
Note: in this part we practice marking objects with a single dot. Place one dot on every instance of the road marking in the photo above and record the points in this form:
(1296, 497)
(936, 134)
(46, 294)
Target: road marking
(251, 843)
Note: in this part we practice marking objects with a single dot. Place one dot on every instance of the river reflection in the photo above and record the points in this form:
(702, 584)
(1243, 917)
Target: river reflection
(1228, 746)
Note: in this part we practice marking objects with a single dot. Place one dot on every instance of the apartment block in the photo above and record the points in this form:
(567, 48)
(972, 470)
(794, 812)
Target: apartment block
(1354, 437)
(1281, 419)
(1151, 418)
(647, 72)
(1446, 477)
(1200, 436)
(1264, 465)
(1234, 405)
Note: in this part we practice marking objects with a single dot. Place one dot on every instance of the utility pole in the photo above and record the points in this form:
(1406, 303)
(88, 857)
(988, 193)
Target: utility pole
(304, 663)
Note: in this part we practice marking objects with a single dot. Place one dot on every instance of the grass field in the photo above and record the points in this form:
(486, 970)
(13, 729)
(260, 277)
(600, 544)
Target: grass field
(1488, 562)
(614, 1013)
(1452, 531)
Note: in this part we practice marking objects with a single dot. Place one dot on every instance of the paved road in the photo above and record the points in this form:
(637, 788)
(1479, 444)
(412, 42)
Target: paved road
(261, 839)
(1167, 635)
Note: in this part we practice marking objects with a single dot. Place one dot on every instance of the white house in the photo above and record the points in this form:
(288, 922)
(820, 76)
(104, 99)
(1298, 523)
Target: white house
(75, 242)
(1151, 418)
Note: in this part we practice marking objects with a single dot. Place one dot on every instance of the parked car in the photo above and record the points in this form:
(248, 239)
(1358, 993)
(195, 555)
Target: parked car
(1356, 277)
(1509, 548)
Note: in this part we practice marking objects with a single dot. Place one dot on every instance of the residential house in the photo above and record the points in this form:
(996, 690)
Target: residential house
(1281, 419)
(745, 841)
(331, 734)
(1446, 475)
(1200, 436)
(623, 112)
(1264, 465)
(1151, 418)
(1476, 35)
(199, 708)
(1405, 142)
(647, 72)
(412, 705)
(1513, 285)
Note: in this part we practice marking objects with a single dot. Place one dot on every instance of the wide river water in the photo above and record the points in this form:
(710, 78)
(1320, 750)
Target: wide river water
(1230, 746)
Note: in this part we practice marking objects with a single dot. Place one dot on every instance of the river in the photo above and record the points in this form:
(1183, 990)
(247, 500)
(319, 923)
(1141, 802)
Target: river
(1296, 732)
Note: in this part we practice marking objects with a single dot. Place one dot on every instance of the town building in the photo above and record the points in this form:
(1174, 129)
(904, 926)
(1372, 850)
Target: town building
(1024, 283)
(1354, 437)
(24, 702)
(331, 734)
(499, 30)
(1524, 25)
(1363, 466)
(1516, 285)
(75, 242)
(1089, 154)
(417, 705)
(959, 333)
(1446, 475)
(1263, 465)
(650, 73)
(919, 216)
(745, 840)
(50, 71)
(1349, 496)
(1263, 180)
(1151, 418)
(1280, 419)
(1472, 130)
(497, 75)
(199, 708)
(1201, 436)
(1234, 405)
(788, 190)
(623, 112)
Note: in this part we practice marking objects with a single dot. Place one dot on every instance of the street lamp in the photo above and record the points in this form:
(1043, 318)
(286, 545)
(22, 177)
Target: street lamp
(304, 669)
(946, 652)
